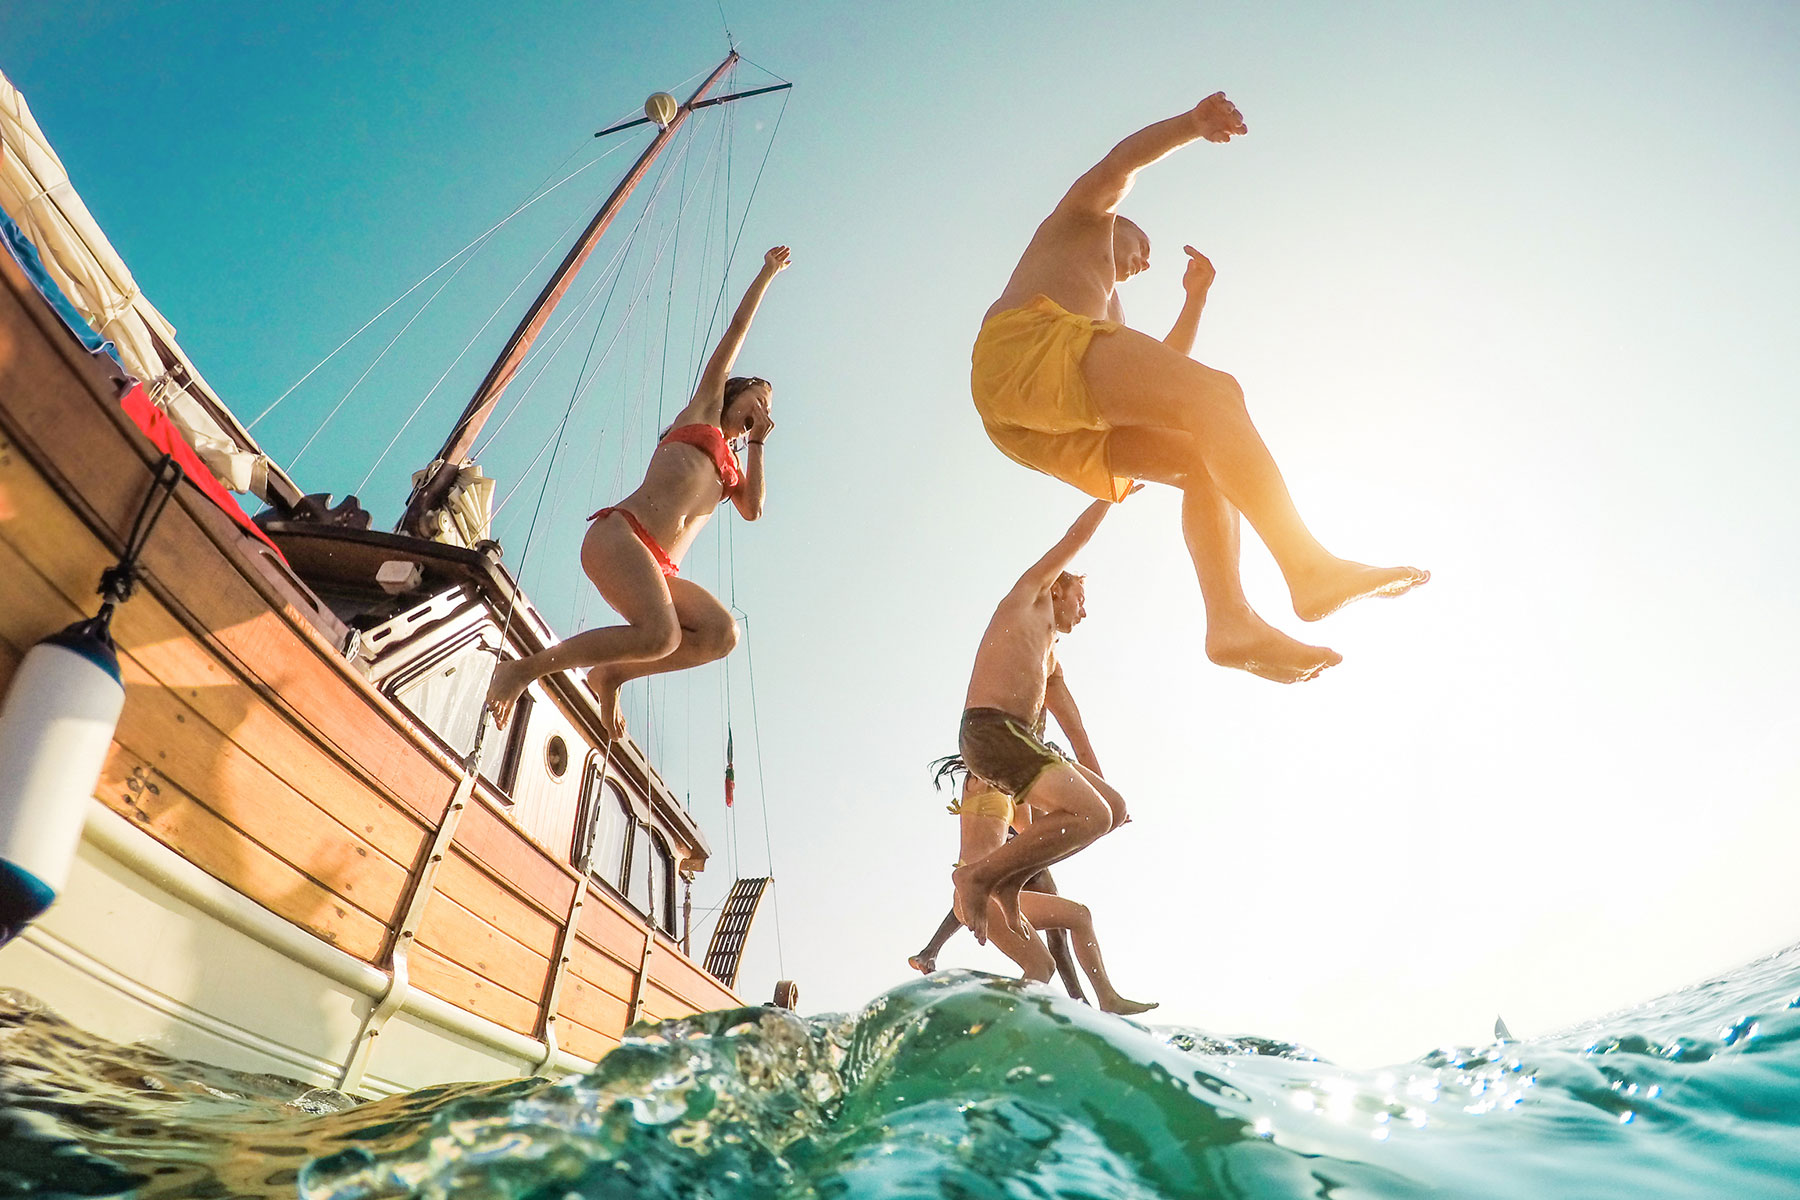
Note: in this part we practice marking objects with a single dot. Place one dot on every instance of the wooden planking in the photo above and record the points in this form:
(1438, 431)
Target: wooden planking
(208, 767)
(468, 991)
(10, 657)
(61, 409)
(474, 889)
(159, 727)
(592, 1006)
(204, 570)
(137, 790)
(683, 980)
(472, 943)
(30, 606)
(613, 971)
(659, 1003)
(583, 1042)
(605, 924)
(506, 850)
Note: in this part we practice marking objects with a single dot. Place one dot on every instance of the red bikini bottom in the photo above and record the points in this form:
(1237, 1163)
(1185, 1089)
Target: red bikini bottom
(643, 535)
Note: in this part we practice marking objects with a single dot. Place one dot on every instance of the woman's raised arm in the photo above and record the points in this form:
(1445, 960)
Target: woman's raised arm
(724, 355)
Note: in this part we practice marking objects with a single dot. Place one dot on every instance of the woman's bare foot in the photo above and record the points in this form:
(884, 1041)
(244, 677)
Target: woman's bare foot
(1319, 593)
(607, 693)
(924, 964)
(970, 901)
(1116, 1003)
(508, 682)
(1255, 646)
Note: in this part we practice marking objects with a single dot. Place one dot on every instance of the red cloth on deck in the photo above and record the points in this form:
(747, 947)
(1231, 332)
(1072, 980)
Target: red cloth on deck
(168, 438)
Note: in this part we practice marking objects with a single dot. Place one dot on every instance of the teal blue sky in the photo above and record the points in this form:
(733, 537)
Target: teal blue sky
(1511, 292)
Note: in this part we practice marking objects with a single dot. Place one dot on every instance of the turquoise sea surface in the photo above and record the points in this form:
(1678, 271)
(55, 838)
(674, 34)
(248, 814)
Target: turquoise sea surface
(958, 1085)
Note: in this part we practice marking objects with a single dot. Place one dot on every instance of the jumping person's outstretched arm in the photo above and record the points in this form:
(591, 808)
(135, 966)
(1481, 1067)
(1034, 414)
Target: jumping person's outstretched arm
(709, 393)
(1044, 571)
(1100, 190)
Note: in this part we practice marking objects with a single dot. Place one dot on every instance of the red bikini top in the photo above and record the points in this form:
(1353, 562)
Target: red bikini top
(709, 439)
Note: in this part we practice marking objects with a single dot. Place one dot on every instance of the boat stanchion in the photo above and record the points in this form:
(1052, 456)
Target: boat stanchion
(56, 724)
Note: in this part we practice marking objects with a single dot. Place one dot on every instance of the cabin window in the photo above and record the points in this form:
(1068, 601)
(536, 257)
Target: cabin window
(663, 883)
(640, 886)
(447, 690)
(604, 825)
(556, 756)
(506, 777)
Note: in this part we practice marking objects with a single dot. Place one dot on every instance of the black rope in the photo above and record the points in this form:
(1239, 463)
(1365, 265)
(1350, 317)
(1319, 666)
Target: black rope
(117, 582)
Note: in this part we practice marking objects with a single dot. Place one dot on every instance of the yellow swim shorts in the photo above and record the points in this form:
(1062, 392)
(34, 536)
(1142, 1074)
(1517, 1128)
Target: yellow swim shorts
(1028, 388)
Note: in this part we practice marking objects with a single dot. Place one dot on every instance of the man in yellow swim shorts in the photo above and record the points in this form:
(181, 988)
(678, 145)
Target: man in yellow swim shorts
(1064, 388)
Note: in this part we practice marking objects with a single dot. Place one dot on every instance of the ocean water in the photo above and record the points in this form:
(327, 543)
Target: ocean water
(959, 1085)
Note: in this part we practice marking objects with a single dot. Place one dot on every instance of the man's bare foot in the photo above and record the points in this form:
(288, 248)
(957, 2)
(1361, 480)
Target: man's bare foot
(505, 686)
(924, 964)
(607, 692)
(1263, 650)
(1123, 1007)
(1321, 592)
(970, 901)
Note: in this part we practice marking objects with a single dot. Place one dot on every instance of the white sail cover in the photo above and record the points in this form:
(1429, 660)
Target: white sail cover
(36, 193)
(467, 513)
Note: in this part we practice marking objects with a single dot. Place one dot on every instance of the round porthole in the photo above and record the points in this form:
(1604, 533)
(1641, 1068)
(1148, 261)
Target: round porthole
(556, 756)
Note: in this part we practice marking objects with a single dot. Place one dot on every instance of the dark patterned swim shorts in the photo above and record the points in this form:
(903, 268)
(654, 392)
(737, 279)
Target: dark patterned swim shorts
(1003, 750)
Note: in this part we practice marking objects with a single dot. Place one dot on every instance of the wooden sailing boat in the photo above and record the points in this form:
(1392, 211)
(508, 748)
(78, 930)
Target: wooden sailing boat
(304, 856)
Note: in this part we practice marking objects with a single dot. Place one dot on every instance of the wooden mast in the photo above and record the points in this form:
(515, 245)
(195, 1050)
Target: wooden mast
(430, 493)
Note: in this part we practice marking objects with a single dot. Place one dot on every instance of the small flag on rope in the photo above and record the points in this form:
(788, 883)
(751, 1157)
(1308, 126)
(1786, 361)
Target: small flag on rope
(730, 770)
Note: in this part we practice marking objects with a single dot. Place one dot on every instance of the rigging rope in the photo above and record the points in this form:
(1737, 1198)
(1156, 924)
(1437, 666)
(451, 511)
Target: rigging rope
(574, 397)
(524, 278)
(565, 327)
(582, 385)
(472, 244)
(306, 445)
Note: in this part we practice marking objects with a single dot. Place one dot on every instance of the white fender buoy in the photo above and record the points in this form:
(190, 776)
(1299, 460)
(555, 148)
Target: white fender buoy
(55, 725)
(661, 108)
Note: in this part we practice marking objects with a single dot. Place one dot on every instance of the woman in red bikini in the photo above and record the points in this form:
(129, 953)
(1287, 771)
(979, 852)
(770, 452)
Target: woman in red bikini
(632, 549)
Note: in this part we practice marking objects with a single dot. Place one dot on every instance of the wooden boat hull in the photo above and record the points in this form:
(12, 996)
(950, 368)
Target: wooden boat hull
(260, 873)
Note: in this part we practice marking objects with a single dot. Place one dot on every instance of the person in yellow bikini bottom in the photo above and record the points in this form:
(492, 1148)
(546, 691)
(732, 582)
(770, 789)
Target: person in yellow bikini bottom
(979, 799)
(1027, 383)
(985, 813)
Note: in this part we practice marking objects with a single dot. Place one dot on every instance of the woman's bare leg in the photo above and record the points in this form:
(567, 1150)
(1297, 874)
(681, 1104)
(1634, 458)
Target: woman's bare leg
(925, 961)
(708, 633)
(1045, 911)
(629, 579)
(1058, 941)
(1137, 382)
